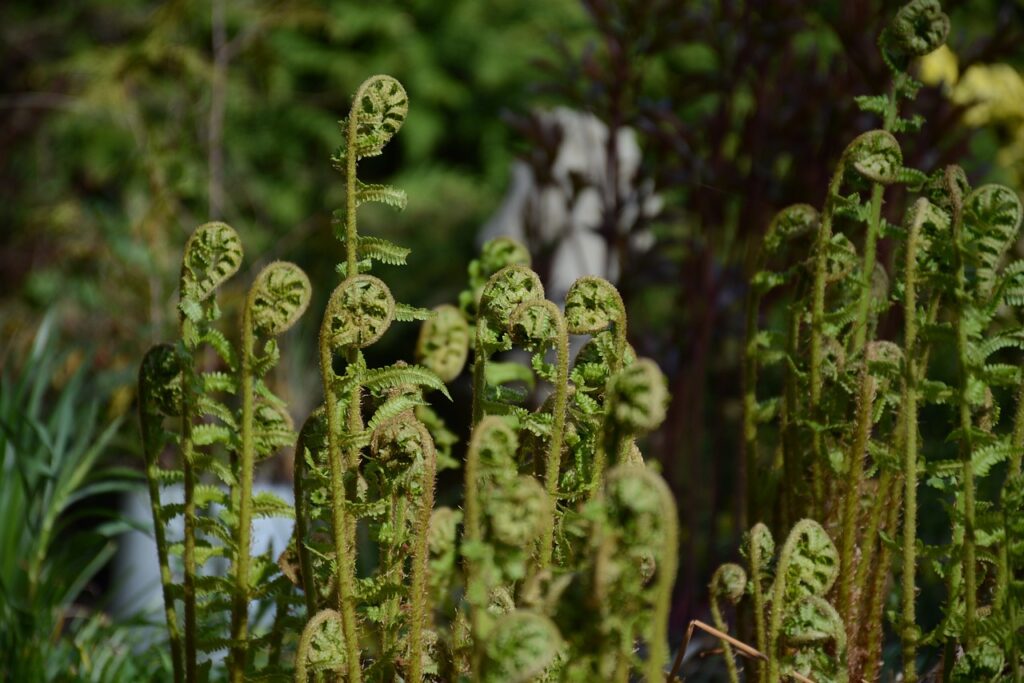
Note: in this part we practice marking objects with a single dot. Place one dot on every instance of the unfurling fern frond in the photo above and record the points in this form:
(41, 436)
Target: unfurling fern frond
(279, 297)
(213, 254)
(358, 313)
(443, 344)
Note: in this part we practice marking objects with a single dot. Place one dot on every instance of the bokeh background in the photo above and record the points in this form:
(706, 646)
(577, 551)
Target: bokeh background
(124, 125)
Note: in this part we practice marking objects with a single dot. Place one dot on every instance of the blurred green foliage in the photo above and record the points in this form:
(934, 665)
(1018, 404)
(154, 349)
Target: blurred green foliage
(110, 127)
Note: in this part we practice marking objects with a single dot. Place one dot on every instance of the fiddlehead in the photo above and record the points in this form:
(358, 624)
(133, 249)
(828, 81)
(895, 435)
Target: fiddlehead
(918, 28)
(592, 304)
(503, 293)
(807, 568)
(521, 647)
(358, 313)
(443, 344)
(495, 254)
(637, 403)
(213, 253)
(729, 582)
(321, 646)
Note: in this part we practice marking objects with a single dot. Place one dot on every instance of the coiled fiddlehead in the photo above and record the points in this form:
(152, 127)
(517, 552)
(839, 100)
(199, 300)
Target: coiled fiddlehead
(637, 403)
(359, 312)
(321, 646)
(729, 582)
(503, 293)
(495, 254)
(807, 568)
(443, 344)
(521, 646)
(919, 27)
(592, 304)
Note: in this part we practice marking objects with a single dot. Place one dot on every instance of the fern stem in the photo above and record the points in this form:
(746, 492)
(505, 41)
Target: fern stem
(553, 463)
(151, 454)
(876, 601)
(757, 591)
(791, 451)
(344, 550)
(963, 400)
(420, 588)
(479, 379)
(302, 528)
(473, 534)
(1017, 437)
(854, 482)
(908, 633)
(189, 512)
(351, 234)
(665, 576)
(243, 532)
(821, 251)
(721, 625)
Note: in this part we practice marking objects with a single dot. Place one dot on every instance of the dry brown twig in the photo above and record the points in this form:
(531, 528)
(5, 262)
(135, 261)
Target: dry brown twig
(742, 647)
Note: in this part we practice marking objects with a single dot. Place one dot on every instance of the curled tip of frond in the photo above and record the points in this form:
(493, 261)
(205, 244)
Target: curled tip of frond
(501, 252)
(360, 310)
(789, 223)
(279, 297)
(516, 511)
(729, 581)
(521, 646)
(402, 440)
(592, 304)
(877, 156)
(639, 489)
(812, 620)
(639, 397)
(996, 209)
(593, 362)
(884, 353)
(213, 254)
(379, 109)
(533, 324)
(758, 543)
(321, 646)
(809, 562)
(919, 27)
(443, 531)
(493, 442)
(160, 382)
(443, 344)
(505, 290)
(924, 212)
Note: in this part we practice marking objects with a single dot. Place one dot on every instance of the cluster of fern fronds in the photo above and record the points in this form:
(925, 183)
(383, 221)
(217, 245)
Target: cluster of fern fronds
(835, 389)
(560, 561)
